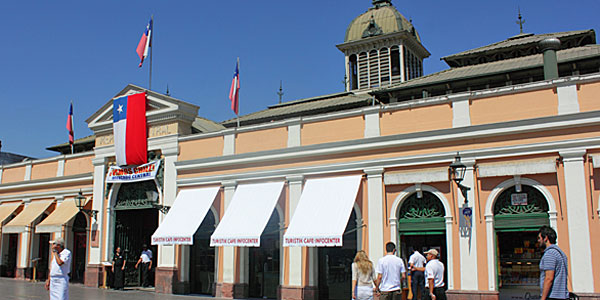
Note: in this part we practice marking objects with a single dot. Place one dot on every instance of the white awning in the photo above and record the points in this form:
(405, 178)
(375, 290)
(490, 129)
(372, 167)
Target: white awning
(182, 221)
(247, 215)
(322, 212)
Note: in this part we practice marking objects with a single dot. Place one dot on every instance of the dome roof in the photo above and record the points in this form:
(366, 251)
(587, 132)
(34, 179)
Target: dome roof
(382, 18)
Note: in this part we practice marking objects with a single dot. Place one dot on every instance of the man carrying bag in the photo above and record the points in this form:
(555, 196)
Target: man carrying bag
(553, 267)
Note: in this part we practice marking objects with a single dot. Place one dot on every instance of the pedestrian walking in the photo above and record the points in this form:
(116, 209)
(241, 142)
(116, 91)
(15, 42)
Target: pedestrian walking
(390, 274)
(416, 263)
(553, 266)
(118, 268)
(363, 277)
(434, 275)
(60, 267)
(146, 261)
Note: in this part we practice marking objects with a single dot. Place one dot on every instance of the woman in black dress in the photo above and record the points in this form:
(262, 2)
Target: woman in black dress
(118, 269)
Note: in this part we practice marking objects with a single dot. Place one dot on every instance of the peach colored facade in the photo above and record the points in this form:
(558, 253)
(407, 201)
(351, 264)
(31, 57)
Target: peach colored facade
(515, 139)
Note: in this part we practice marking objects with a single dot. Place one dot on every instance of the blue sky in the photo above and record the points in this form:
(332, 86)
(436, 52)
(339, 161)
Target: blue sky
(53, 52)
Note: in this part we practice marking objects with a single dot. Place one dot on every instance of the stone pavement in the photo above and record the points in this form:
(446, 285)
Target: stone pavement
(13, 289)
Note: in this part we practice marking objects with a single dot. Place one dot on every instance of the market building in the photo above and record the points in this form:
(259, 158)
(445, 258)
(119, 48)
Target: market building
(278, 206)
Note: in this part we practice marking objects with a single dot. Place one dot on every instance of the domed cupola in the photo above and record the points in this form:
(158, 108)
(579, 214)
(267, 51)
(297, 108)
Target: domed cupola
(381, 47)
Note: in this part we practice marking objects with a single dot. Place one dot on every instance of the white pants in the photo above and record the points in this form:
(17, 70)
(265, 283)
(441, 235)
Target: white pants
(59, 288)
(364, 292)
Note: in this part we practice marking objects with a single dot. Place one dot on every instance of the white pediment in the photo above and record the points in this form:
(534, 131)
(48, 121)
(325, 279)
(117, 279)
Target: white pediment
(160, 109)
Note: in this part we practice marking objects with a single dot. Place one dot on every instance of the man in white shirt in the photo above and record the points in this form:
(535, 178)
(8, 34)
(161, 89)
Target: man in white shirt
(434, 275)
(390, 273)
(417, 279)
(146, 261)
(60, 267)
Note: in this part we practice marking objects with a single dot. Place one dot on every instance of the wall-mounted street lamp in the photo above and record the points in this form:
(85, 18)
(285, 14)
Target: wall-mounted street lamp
(457, 174)
(80, 202)
(153, 199)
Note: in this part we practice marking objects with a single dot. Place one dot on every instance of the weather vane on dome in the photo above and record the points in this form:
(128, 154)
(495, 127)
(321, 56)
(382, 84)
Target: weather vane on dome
(521, 21)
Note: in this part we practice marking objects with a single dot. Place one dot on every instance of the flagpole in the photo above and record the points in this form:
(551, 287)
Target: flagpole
(238, 95)
(151, 38)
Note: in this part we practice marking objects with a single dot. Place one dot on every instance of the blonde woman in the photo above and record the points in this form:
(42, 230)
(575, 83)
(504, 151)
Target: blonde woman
(363, 277)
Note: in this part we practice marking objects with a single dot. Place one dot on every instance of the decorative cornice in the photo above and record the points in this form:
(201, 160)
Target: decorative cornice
(572, 155)
(374, 172)
(401, 140)
(417, 160)
(47, 194)
(47, 182)
(295, 178)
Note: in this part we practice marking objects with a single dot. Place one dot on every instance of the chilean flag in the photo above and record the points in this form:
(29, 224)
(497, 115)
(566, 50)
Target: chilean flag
(129, 129)
(145, 43)
(234, 91)
(70, 125)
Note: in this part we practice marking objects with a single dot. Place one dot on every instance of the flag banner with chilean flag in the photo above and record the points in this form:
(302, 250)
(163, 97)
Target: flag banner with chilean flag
(145, 43)
(129, 129)
(234, 91)
(70, 125)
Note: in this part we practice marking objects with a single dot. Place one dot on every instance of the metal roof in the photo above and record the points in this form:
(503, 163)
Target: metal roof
(303, 107)
(386, 17)
(502, 66)
(524, 40)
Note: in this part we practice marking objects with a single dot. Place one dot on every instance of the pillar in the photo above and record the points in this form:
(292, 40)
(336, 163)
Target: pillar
(577, 214)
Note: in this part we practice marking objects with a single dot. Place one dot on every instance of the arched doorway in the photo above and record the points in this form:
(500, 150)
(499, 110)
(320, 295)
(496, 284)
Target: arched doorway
(263, 280)
(519, 212)
(202, 258)
(421, 226)
(335, 274)
(79, 248)
(136, 219)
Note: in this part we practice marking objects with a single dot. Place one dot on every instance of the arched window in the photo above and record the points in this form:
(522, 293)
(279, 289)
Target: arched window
(421, 213)
(523, 209)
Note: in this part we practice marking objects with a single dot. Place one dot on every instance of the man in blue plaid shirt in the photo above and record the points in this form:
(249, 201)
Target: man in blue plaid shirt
(553, 266)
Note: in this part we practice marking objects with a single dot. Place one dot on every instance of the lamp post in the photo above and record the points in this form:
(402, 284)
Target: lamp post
(457, 174)
(80, 202)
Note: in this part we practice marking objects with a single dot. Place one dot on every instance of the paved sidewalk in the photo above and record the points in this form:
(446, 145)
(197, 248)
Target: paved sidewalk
(13, 289)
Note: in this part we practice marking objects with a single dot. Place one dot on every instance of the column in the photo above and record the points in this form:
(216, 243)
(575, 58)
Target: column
(567, 98)
(24, 254)
(375, 213)
(229, 141)
(93, 271)
(230, 288)
(577, 215)
(296, 288)
(468, 235)
(372, 122)
(167, 279)
(294, 128)
(461, 114)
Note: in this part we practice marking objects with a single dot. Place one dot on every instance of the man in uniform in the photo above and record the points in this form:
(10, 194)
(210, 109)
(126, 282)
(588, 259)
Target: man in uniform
(60, 267)
(146, 261)
(434, 277)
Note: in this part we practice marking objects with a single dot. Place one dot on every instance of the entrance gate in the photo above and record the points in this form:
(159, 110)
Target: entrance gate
(421, 226)
(335, 274)
(264, 262)
(518, 215)
(202, 258)
(136, 219)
